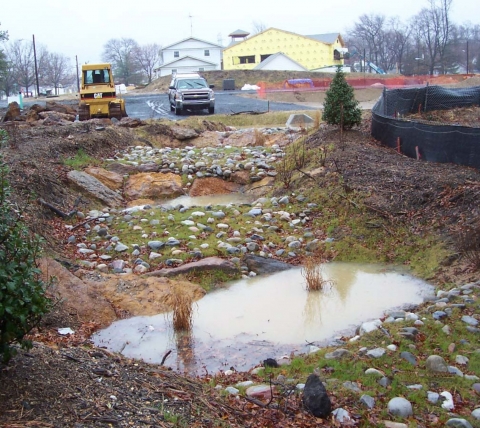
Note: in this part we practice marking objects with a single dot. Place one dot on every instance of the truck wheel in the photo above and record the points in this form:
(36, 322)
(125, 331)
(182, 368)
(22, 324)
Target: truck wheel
(83, 113)
(178, 111)
(211, 110)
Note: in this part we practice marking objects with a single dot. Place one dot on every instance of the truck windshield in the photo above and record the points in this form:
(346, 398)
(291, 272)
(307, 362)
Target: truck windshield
(96, 76)
(192, 83)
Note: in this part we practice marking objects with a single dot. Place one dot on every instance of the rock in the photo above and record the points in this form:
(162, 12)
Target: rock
(367, 401)
(458, 423)
(476, 414)
(400, 407)
(409, 357)
(470, 320)
(110, 179)
(94, 188)
(154, 185)
(352, 386)
(341, 415)
(270, 362)
(213, 186)
(121, 168)
(374, 372)
(369, 326)
(315, 397)
(433, 396)
(337, 354)
(261, 392)
(437, 364)
(447, 400)
(209, 263)
(390, 424)
(231, 390)
(376, 353)
(182, 133)
(263, 265)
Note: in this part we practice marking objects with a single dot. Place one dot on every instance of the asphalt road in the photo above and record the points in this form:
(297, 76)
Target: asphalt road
(151, 106)
(156, 106)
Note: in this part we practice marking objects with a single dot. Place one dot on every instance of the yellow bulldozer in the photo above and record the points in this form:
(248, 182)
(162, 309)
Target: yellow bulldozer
(98, 97)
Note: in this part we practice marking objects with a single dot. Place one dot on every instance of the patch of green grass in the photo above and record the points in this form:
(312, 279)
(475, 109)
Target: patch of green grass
(81, 160)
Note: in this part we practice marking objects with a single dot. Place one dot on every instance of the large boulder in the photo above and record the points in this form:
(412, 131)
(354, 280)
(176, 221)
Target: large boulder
(315, 397)
(60, 108)
(111, 179)
(154, 185)
(182, 133)
(213, 186)
(94, 188)
(262, 265)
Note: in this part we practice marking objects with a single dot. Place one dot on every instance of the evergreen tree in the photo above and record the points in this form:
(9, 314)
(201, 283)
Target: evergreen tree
(340, 101)
(22, 292)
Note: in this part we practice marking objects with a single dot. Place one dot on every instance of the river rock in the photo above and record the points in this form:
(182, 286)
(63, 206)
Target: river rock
(261, 392)
(263, 265)
(400, 407)
(458, 423)
(435, 363)
(315, 397)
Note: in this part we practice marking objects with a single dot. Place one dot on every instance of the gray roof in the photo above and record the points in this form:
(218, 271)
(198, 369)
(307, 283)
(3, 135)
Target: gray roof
(239, 33)
(325, 38)
(272, 57)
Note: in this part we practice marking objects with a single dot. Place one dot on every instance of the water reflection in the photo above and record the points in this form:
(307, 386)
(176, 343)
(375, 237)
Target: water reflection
(264, 317)
(203, 201)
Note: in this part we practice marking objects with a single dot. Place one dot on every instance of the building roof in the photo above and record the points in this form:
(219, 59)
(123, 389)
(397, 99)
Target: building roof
(328, 38)
(239, 33)
(191, 38)
(168, 64)
(273, 57)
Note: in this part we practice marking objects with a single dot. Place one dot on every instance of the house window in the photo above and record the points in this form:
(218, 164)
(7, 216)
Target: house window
(264, 57)
(249, 59)
(207, 52)
(201, 69)
(174, 71)
(176, 54)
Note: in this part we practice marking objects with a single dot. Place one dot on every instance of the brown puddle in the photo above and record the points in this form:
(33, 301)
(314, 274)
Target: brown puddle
(266, 317)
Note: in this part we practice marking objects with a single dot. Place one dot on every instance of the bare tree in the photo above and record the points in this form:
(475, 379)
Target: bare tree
(121, 54)
(4, 64)
(432, 27)
(258, 27)
(58, 72)
(21, 55)
(398, 39)
(148, 57)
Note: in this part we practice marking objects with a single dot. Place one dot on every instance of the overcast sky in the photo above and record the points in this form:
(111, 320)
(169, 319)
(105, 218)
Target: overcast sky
(83, 27)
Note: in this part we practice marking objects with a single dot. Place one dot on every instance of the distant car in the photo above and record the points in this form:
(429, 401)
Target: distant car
(190, 92)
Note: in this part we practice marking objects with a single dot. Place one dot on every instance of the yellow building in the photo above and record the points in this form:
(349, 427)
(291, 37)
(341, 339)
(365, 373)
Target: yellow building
(311, 52)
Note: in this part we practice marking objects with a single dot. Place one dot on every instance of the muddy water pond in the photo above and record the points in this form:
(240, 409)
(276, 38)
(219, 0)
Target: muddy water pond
(266, 317)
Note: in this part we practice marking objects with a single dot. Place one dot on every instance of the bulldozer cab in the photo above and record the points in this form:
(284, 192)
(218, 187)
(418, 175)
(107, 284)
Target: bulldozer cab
(96, 76)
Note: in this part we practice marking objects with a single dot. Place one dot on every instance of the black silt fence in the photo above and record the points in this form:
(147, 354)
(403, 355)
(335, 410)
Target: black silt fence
(418, 139)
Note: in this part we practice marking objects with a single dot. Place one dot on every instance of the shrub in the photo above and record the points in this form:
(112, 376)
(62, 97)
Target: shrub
(22, 292)
(341, 107)
(182, 309)
(312, 271)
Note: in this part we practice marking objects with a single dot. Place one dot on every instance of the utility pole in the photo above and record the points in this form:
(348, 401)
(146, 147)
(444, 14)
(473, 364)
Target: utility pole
(78, 80)
(36, 69)
(467, 56)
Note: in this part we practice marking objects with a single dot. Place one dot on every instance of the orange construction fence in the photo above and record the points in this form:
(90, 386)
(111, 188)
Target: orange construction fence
(358, 81)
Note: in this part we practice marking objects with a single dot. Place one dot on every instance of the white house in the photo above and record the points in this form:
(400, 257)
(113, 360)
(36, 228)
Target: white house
(280, 61)
(190, 55)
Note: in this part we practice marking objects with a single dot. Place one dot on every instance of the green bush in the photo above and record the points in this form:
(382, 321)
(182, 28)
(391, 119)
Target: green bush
(22, 292)
(340, 101)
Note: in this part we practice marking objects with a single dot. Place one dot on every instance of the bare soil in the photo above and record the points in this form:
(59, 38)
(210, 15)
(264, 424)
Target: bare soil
(462, 116)
(65, 382)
